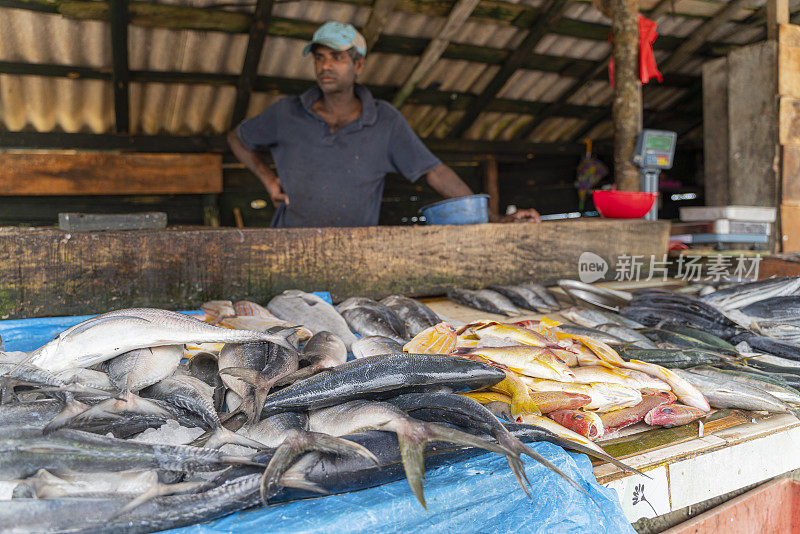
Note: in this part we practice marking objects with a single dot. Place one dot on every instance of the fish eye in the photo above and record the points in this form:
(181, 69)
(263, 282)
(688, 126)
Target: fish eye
(667, 410)
(578, 416)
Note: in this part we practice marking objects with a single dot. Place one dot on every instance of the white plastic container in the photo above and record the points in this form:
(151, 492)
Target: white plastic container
(736, 213)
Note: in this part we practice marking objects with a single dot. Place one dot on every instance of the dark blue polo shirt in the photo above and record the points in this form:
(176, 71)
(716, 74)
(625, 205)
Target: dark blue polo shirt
(335, 179)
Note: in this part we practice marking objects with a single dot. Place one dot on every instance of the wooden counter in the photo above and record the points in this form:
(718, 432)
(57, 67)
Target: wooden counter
(47, 272)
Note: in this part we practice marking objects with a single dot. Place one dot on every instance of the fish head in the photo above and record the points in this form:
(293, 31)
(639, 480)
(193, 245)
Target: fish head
(587, 424)
(673, 414)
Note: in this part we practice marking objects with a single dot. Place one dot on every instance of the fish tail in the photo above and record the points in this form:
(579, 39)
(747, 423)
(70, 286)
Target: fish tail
(233, 422)
(158, 490)
(71, 409)
(514, 444)
(261, 385)
(298, 481)
(411, 452)
(298, 442)
(222, 436)
(282, 337)
(412, 436)
(131, 403)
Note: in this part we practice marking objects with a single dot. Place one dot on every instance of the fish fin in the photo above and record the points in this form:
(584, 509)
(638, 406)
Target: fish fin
(298, 442)
(411, 452)
(232, 421)
(300, 374)
(282, 337)
(72, 409)
(297, 481)
(131, 403)
(158, 490)
(260, 385)
(222, 436)
(240, 460)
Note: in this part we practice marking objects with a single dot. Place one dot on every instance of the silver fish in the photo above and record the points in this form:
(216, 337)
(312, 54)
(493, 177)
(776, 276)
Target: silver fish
(474, 299)
(412, 434)
(101, 338)
(374, 345)
(323, 351)
(197, 397)
(139, 368)
(739, 296)
(629, 335)
(523, 297)
(366, 317)
(722, 392)
(309, 310)
(23, 451)
(545, 294)
(415, 314)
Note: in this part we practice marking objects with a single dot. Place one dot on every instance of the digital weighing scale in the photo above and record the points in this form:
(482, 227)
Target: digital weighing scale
(655, 150)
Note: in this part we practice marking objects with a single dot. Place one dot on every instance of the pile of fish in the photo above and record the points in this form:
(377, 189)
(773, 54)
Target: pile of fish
(263, 403)
(146, 419)
(736, 346)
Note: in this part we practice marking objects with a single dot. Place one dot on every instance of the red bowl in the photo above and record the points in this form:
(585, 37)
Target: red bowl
(623, 204)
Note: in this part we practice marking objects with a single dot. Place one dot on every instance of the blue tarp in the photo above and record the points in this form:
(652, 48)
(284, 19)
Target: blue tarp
(479, 494)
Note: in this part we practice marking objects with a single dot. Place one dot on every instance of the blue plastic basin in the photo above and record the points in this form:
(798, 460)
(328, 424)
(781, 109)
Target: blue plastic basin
(472, 209)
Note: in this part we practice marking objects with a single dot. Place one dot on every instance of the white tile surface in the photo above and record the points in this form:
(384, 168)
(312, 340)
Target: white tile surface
(641, 496)
(717, 472)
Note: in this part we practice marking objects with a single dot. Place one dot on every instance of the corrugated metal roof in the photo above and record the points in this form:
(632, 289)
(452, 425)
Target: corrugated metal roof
(42, 103)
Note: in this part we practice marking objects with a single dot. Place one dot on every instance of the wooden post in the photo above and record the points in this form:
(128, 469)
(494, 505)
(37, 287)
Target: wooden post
(777, 14)
(491, 186)
(627, 108)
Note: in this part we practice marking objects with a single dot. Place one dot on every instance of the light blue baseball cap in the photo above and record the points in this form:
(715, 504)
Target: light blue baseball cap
(339, 36)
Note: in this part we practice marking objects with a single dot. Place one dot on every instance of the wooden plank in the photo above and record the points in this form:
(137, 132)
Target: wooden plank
(194, 144)
(458, 16)
(789, 35)
(790, 227)
(790, 174)
(118, 18)
(789, 70)
(777, 14)
(378, 17)
(542, 26)
(753, 135)
(104, 173)
(700, 35)
(252, 57)
(789, 121)
(715, 132)
(44, 273)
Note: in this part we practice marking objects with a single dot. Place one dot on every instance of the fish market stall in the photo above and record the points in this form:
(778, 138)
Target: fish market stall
(672, 467)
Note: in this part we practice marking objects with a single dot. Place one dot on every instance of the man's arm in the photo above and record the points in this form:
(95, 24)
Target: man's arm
(447, 183)
(253, 161)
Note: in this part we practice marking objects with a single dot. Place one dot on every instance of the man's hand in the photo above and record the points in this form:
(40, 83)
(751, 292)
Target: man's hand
(257, 166)
(276, 193)
(528, 215)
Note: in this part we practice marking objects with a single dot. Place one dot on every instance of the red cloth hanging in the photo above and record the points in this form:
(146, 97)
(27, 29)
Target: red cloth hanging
(647, 61)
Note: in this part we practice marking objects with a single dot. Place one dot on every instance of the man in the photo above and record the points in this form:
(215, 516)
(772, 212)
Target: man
(334, 144)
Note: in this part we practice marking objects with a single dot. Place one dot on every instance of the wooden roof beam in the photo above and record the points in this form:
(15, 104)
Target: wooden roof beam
(699, 36)
(458, 16)
(378, 17)
(118, 18)
(252, 57)
(677, 58)
(543, 25)
(452, 100)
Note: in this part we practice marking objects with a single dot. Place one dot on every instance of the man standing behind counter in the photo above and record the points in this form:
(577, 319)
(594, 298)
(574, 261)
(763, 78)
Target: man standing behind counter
(334, 144)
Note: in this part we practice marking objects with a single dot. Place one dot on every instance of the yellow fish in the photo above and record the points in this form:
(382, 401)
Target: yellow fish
(437, 339)
(524, 359)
